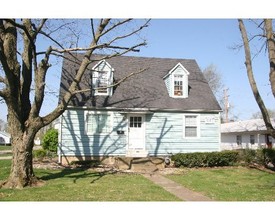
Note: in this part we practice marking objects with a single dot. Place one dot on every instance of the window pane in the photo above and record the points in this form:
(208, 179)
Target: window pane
(190, 120)
(190, 132)
(135, 122)
(239, 139)
(98, 123)
(252, 139)
(191, 127)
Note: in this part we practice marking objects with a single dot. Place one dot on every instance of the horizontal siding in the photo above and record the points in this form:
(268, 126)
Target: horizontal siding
(163, 135)
(75, 140)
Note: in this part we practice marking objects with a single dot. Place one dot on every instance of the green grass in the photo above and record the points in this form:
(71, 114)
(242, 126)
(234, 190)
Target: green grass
(229, 184)
(3, 147)
(85, 185)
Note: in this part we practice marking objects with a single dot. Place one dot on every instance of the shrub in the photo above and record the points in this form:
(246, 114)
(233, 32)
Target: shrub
(250, 156)
(50, 140)
(269, 156)
(207, 159)
(39, 154)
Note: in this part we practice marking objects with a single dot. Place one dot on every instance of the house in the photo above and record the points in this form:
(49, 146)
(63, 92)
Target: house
(167, 108)
(246, 134)
(5, 138)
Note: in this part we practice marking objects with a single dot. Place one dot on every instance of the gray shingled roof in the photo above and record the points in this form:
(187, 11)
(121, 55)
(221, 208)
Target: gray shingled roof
(144, 90)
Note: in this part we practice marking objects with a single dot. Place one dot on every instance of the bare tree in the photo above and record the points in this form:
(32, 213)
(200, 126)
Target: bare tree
(270, 44)
(214, 79)
(25, 67)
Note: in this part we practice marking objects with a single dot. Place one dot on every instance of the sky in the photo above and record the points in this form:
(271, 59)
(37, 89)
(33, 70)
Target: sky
(208, 41)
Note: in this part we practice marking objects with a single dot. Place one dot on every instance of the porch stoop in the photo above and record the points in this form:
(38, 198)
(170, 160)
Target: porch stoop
(143, 165)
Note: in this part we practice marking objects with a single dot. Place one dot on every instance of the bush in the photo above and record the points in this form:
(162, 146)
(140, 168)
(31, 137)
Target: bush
(207, 159)
(50, 140)
(269, 156)
(39, 154)
(249, 156)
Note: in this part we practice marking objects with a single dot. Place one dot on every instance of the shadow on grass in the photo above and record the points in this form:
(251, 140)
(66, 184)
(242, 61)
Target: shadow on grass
(75, 174)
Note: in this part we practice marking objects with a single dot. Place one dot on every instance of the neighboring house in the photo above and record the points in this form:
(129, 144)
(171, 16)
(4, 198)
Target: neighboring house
(168, 108)
(246, 134)
(5, 138)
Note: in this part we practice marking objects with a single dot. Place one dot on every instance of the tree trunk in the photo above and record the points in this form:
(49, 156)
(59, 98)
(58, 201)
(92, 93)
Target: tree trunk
(22, 143)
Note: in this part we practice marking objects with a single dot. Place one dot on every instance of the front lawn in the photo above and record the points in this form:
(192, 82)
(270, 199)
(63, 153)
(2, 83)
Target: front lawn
(229, 184)
(85, 185)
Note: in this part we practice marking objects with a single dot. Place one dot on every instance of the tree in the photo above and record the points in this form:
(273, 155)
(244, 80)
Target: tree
(24, 68)
(259, 114)
(268, 34)
(214, 79)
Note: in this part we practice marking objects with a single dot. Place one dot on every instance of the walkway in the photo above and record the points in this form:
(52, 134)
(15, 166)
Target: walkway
(176, 189)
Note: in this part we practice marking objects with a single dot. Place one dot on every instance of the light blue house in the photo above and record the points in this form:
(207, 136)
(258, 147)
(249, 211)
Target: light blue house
(167, 108)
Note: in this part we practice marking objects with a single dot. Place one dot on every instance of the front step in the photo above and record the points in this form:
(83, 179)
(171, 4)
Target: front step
(137, 153)
(144, 165)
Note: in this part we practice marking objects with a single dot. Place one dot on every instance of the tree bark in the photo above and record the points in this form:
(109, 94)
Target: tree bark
(22, 142)
(271, 52)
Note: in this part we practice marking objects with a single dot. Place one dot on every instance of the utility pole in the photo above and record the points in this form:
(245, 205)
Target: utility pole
(226, 104)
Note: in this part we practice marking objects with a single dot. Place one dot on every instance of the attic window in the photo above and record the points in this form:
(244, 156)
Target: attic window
(102, 83)
(178, 82)
(102, 75)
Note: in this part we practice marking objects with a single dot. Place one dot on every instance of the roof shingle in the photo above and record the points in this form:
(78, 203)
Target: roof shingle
(144, 90)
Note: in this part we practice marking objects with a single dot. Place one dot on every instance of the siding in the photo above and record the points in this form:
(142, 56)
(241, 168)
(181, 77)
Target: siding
(229, 141)
(75, 140)
(163, 135)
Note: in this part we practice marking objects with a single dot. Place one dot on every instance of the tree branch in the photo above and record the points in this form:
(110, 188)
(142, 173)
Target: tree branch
(251, 79)
(113, 85)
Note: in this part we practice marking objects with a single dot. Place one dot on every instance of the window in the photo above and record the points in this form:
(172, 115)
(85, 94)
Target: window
(252, 139)
(102, 77)
(239, 140)
(178, 82)
(98, 123)
(191, 126)
(135, 122)
(101, 82)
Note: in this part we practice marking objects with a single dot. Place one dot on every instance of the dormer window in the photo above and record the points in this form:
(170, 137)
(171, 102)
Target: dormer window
(176, 82)
(102, 83)
(102, 79)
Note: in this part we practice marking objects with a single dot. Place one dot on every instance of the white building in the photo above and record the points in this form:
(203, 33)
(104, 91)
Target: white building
(246, 134)
(5, 138)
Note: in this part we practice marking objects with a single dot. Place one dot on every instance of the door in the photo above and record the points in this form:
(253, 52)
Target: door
(136, 132)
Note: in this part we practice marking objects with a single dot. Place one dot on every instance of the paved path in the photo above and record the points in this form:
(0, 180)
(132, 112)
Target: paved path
(176, 189)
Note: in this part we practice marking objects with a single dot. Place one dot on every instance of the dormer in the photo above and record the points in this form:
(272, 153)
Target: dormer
(102, 79)
(176, 81)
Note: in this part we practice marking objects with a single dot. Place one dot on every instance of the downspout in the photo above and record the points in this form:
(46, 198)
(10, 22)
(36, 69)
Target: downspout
(60, 140)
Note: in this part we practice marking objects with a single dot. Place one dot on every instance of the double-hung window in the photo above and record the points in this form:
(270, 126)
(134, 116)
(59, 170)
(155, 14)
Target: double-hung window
(98, 123)
(191, 126)
(178, 85)
(102, 76)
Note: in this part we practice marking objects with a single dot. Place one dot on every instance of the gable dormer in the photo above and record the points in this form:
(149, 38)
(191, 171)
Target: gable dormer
(176, 81)
(102, 78)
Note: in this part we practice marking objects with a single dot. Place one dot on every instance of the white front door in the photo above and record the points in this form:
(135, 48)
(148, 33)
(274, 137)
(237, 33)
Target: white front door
(136, 132)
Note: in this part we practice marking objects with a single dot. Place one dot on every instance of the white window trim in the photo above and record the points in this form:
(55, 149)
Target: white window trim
(173, 85)
(110, 76)
(110, 128)
(197, 123)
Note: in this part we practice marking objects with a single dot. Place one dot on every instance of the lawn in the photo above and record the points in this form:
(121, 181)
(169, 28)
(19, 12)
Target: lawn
(85, 185)
(5, 147)
(229, 184)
